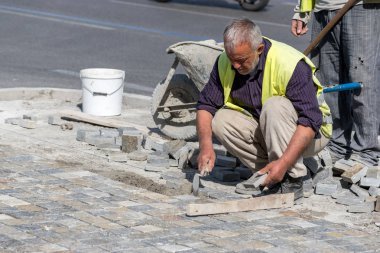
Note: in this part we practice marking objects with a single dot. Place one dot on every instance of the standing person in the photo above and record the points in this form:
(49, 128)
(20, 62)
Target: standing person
(348, 53)
(265, 105)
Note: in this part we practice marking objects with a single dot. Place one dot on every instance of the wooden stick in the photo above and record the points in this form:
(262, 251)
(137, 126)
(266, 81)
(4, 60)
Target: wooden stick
(330, 25)
(100, 121)
(258, 203)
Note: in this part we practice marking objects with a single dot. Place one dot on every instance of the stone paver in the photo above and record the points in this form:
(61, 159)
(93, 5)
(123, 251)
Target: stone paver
(53, 198)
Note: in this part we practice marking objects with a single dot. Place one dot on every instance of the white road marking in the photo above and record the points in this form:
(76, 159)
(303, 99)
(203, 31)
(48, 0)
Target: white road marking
(56, 20)
(194, 12)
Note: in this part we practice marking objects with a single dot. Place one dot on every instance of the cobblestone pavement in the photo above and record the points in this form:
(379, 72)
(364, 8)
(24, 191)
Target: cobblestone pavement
(51, 201)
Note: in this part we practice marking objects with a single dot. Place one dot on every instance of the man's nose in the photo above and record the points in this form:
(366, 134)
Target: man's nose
(236, 65)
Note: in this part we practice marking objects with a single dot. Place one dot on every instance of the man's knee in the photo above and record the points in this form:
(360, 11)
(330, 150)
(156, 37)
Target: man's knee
(278, 108)
(276, 104)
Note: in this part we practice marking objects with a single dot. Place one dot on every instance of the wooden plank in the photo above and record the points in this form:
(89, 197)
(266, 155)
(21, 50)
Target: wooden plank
(100, 121)
(265, 202)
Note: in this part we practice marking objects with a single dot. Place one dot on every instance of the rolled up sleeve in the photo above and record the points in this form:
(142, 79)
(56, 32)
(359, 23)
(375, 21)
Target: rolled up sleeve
(301, 91)
(211, 97)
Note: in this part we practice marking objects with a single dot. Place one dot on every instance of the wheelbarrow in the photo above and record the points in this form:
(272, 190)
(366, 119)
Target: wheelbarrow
(175, 98)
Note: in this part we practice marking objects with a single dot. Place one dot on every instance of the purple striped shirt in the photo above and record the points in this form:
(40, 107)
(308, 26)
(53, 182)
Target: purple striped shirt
(246, 92)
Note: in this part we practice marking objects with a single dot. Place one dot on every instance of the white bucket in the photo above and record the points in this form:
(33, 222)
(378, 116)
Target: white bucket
(102, 91)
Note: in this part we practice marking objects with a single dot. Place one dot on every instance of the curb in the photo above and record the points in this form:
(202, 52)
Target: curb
(24, 93)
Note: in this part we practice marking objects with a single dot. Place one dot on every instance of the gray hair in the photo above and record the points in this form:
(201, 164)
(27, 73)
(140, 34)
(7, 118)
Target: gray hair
(241, 31)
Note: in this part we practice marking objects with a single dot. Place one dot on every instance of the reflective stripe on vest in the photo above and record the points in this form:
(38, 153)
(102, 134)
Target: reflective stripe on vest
(277, 73)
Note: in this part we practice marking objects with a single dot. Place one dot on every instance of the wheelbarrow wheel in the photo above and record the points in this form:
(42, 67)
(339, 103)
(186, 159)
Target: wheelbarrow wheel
(177, 124)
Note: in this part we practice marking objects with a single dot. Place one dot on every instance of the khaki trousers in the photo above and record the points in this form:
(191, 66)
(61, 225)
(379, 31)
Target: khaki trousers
(257, 142)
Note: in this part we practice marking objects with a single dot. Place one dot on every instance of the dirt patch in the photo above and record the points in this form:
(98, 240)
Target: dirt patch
(136, 180)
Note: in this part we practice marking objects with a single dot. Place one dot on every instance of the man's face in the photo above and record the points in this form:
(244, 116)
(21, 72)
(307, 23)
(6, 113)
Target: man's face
(244, 59)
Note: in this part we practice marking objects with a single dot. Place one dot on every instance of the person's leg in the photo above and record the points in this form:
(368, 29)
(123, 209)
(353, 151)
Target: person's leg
(360, 35)
(327, 58)
(241, 136)
(278, 123)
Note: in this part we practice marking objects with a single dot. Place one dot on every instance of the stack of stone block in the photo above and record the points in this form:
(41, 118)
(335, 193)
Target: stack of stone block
(356, 186)
(160, 154)
(126, 142)
(31, 122)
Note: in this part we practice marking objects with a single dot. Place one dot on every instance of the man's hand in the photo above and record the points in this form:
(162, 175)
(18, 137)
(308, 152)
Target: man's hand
(206, 160)
(276, 171)
(298, 27)
(206, 157)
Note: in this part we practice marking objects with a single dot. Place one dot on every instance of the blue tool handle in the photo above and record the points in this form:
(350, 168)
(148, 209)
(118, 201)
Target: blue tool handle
(342, 87)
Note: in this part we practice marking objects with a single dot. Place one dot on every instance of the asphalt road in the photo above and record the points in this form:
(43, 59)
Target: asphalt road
(45, 43)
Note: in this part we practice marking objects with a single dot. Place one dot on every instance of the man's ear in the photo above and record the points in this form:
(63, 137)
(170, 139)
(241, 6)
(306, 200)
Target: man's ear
(260, 48)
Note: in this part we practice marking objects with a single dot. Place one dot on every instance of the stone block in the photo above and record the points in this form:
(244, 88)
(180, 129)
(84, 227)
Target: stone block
(225, 161)
(159, 163)
(374, 191)
(118, 141)
(99, 141)
(128, 130)
(343, 165)
(218, 169)
(260, 180)
(137, 156)
(244, 172)
(158, 155)
(131, 142)
(355, 173)
(323, 174)
(225, 175)
(154, 168)
(184, 155)
(171, 147)
(349, 201)
(119, 157)
(308, 187)
(369, 181)
(313, 164)
(326, 188)
(325, 158)
(82, 134)
(173, 162)
(12, 121)
(159, 159)
(360, 192)
(152, 143)
(365, 207)
(377, 208)
(220, 149)
(26, 123)
(370, 199)
(108, 132)
(30, 117)
(373, 172)
(177, 153)
(173, 175)
(54, 120)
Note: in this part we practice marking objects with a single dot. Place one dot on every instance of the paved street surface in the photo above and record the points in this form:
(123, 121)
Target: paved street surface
(45, 43)
(61, 195)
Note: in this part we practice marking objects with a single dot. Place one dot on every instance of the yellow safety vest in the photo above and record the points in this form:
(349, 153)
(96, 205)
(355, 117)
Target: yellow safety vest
(307, 5)
(280, 63)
